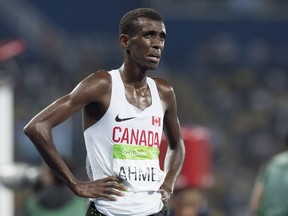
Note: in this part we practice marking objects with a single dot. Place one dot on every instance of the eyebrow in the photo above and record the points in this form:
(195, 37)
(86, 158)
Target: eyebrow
(162, 33)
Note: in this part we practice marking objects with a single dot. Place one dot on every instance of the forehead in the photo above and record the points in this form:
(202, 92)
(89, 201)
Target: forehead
(146, 24)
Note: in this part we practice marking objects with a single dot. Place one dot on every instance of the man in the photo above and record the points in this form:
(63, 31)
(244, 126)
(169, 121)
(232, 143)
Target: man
(270, 193)
(123, 114)
(51, 197)
(186, 202)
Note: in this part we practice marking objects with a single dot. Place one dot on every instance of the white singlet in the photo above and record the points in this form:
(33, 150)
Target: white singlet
(125, 143)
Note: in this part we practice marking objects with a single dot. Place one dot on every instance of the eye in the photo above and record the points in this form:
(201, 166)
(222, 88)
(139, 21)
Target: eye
(152, 35)
(149, 35)
(162, 36)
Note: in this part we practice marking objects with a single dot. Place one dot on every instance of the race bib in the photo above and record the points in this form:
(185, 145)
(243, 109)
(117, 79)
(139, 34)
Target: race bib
(138, 166)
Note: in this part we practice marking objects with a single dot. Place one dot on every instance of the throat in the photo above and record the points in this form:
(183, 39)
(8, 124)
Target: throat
(140, 98)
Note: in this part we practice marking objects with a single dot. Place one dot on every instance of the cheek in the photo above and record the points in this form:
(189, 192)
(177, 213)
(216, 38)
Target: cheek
(140, 44)
(138, 51)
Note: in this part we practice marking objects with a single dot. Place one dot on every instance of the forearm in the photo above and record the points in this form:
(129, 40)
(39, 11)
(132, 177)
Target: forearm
(41, 136)
(173, 164)
(256, 197)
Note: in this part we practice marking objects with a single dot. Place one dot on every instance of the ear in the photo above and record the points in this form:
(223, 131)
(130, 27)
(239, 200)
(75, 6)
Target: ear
(124, 40)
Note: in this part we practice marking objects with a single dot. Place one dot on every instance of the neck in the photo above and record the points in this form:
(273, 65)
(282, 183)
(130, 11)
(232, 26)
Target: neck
(133, 76)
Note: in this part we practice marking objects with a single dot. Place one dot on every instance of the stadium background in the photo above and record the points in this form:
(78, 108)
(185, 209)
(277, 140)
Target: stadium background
(227, 60)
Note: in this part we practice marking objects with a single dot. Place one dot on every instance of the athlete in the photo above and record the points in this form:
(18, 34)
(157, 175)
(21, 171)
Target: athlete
(270, 192)
(124, 114)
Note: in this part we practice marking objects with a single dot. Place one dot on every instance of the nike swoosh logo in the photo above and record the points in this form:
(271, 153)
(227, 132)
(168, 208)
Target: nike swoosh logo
(117, 119)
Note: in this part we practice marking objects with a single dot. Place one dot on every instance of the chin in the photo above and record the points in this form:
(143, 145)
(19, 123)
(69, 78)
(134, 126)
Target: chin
(153, 67)
(149, 66)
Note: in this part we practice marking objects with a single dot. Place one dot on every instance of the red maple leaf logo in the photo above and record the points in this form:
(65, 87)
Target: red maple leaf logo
(156, 121)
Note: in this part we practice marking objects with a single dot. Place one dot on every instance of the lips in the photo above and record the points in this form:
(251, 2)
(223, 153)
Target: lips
(154, 57)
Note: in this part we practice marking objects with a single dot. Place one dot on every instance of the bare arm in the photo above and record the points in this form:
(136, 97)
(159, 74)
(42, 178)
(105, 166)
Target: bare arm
(256, 197)
(96, 89)
(176, 150)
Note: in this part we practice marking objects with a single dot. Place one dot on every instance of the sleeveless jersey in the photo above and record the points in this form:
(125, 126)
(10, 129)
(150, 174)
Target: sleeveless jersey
(274, 176)
(125, 143)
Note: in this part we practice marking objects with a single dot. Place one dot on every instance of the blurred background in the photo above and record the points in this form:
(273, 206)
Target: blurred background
(227, 61)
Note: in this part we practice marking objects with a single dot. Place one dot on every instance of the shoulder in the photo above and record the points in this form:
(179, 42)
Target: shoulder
(101, 77)
(280, 158)
(99, 80)
(166, 94)
(164, 88)
(92, 88)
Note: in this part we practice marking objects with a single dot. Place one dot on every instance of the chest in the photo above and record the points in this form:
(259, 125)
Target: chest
(138, 97)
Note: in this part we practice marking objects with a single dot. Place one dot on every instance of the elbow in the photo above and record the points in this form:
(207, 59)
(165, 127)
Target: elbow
(33, 128)
(29, 129)
(179, 148)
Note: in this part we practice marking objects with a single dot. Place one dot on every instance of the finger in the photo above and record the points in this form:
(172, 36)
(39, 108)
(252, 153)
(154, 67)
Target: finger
(165, 196)
(165, 199)
(112, 191)
(109, 197)
(162, 191)
(108, 193)
(112, 179)
(117, 186)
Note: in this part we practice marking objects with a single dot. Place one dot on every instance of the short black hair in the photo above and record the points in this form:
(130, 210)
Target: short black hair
(126, 25)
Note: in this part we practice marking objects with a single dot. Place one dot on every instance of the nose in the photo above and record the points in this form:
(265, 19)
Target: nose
(158, 42)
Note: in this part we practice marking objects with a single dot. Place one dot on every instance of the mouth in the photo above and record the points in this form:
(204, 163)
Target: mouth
(154, 58)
